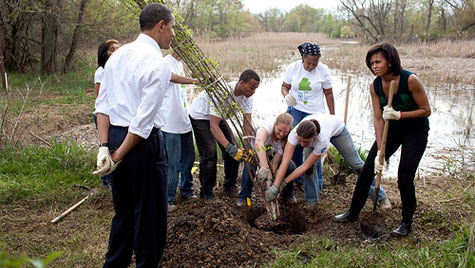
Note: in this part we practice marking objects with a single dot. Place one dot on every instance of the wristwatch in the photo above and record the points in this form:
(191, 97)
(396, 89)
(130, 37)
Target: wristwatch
(104, 144)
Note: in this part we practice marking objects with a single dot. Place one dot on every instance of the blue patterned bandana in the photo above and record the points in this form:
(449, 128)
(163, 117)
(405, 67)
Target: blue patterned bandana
(309, 49)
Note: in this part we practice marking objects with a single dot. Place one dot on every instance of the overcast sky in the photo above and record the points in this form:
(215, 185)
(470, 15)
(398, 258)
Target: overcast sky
(257, 6)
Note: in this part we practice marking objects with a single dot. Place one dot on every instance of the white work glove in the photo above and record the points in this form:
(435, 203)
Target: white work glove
(105, 164)
(390, 114)
(378, 167)
(263, 173)
(272, 192)
(283, 184)
(290, 100)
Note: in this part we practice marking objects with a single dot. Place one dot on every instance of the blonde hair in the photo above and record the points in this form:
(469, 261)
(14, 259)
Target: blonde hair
(286, 119)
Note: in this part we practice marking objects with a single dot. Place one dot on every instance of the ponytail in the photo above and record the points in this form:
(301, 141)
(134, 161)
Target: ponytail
(308, 128)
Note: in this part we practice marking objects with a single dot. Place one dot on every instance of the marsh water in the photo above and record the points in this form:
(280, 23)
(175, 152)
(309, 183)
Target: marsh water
(451, 138)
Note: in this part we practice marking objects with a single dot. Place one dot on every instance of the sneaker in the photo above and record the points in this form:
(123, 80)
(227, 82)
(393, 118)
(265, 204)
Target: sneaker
(171, 207)
(385, 203)
(241, 203)
(189, 197)
(291, 200)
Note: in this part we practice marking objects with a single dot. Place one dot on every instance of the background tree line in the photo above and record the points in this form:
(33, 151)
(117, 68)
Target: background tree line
(45, 35)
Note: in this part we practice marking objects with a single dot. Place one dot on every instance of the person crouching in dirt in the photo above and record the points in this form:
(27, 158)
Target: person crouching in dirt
(270, 139)
(209, 127)
(315, 133)
(409, 128)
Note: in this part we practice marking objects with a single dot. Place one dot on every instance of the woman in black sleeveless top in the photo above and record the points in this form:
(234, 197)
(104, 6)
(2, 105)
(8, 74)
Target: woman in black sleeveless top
(408, 128)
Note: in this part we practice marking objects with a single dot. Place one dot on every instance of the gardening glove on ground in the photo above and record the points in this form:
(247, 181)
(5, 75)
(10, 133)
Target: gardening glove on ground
(237, 153)
(390, 114)
(272, 192)
(378, 167)
(290, 100)
(263, 173)
(104, 161)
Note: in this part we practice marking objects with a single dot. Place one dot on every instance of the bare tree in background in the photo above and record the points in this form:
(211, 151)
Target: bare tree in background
(75, 38)
(49, 36)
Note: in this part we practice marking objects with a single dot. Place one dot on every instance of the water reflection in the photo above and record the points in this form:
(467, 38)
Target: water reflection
(450, 122)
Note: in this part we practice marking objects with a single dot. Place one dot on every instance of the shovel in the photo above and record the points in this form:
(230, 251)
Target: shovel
(372, 230)
(336, 178)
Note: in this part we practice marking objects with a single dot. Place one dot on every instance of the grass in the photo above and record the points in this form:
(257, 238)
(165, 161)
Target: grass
(31, 170)
(323, 252)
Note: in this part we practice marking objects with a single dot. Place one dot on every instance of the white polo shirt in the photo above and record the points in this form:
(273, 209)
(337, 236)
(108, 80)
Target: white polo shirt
(133, 87)
(330, 126)
(307, 87)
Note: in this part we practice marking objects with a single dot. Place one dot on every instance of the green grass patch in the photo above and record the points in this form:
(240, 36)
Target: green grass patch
(27, 171)
(411, 252)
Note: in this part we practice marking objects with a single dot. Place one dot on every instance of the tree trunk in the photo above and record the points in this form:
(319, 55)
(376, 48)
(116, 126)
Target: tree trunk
(49, 38)
(431, 3)
(75, 39)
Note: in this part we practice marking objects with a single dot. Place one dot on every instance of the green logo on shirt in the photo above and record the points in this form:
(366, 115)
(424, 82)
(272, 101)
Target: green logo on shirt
(305, 86)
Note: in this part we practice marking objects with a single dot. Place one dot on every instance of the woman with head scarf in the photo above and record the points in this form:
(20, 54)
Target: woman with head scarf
(306, 82)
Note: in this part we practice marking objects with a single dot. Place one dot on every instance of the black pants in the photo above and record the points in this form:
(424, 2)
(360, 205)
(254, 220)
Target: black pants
(139, 192)
(206, 144)
(413, 142)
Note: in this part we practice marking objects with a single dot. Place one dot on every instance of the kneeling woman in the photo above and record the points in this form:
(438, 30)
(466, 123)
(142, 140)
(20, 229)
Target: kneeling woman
(270, 138)
(315, 133)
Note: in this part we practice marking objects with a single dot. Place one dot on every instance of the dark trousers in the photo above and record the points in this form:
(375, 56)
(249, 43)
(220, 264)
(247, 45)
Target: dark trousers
(206, 144)
(139, 192)
(413, 142)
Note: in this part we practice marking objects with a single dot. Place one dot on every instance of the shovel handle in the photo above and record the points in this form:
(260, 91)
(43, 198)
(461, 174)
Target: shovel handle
(347, 97)
(383, 145)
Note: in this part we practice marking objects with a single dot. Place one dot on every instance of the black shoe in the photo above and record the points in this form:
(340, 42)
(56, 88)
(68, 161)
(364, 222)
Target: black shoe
(403, 230)
(344, 217)
(231, 191)
(208, 197)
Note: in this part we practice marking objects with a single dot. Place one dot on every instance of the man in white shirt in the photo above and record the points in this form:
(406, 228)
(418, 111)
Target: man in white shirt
(209, 127)
(129, 121)
(178, 135)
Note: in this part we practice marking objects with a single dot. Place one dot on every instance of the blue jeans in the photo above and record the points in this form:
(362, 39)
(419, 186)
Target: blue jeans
(344, 144)
(298, 152)
(181, 155)
(246, 182)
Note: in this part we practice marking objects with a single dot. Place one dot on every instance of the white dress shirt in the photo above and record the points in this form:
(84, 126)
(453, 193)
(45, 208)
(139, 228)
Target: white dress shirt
(133, 87)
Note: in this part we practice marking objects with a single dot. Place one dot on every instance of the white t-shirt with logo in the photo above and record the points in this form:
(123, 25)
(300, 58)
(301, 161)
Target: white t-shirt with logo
(307, 87)
(174, 105)
(98, 75)
(202, 106)
(330, 126)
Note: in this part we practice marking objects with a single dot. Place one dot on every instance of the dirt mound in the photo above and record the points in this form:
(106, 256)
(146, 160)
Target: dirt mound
(215, 234)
